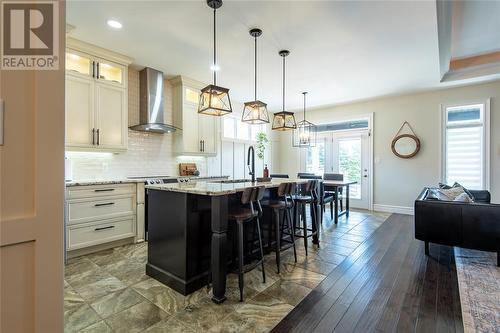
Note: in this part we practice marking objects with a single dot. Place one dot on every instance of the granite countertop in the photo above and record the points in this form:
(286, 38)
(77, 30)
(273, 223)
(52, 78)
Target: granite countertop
(218, 188)
(129, 180)
(101, 182)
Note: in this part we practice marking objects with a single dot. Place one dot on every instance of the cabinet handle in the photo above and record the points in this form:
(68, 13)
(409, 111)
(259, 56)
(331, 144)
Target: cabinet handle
(104, 190)
(98, 74)
(93, 136)
(201, 149)
(93, 68)
(202, 145)
(98, 137)
(104, 204)
(104, 228)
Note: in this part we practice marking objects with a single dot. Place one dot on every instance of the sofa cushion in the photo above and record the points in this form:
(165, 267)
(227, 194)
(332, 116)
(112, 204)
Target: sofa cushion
(463, 197)
(447, 187)
(445, 194)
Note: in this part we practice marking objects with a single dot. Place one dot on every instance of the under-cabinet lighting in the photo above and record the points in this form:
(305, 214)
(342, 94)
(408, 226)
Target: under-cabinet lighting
(88, 154)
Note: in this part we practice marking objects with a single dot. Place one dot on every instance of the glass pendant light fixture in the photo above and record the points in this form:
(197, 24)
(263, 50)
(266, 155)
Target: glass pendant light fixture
(304, 136)
(255, 112)
(284, 120)
(214, 100)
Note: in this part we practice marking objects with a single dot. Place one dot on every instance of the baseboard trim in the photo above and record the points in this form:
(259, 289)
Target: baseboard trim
(393, 209)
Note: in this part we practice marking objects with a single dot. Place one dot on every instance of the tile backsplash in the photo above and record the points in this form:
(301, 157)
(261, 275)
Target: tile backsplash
(148, 154)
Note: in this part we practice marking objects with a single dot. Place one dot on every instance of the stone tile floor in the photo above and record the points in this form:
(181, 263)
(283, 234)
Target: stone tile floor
(108, 291)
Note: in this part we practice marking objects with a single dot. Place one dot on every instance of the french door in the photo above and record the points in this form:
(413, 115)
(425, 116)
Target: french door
(347, 153)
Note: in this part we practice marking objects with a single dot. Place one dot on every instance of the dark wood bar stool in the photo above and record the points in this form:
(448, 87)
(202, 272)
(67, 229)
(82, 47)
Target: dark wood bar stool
(326, 197)
(309, 196)
(282, 206)
(248, 213)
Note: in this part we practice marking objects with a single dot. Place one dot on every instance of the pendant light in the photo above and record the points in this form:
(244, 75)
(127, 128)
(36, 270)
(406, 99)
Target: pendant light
(284, 120)
(255, 112)
(214, 100)
(304, 136)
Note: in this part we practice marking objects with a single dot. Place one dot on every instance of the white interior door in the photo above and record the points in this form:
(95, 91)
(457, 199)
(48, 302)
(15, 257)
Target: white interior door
(32, 196)
(350, 157)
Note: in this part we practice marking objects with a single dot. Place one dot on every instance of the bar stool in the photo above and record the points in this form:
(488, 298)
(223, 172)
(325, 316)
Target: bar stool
(309, 197)
(283, 204)
(247, 213)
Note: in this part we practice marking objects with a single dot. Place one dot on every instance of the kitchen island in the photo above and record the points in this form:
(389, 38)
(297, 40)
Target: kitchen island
(188, 232)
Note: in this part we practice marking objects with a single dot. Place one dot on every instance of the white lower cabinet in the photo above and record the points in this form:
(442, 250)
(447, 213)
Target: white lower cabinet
(98, 214)
(99, 232)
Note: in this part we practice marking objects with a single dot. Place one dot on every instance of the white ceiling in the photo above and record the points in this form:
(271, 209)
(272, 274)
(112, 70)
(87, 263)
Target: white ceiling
(475, 28)
(340, 51)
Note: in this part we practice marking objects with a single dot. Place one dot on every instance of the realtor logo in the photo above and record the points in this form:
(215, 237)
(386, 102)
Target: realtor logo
(30, 35)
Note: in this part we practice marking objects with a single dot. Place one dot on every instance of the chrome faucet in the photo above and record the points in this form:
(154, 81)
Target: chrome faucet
(252, 169)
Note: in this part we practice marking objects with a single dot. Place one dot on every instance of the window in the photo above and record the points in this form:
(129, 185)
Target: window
(229, 127)
(242, 131)
(466, 145)
(234, 128)
(315, 158)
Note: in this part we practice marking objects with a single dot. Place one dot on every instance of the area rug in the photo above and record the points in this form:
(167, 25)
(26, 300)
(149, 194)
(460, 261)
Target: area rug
(479, 284)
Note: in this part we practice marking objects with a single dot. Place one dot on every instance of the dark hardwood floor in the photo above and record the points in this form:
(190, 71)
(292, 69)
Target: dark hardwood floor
(386, 285)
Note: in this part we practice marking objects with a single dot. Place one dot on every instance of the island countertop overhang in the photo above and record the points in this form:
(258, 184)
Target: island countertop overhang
(219, 188)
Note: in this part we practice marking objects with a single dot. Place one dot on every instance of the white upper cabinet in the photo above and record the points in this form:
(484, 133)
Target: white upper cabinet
(199, 132)
(96, 98)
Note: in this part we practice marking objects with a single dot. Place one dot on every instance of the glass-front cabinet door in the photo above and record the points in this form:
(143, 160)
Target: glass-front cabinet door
(79, 63)
(110, 72)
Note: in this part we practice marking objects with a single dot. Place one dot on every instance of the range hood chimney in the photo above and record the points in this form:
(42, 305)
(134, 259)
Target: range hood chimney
(151, 103)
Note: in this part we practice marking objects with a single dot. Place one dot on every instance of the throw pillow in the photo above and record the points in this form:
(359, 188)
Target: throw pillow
(447, 187)
(452, 193)
(464, 197)
(465, 190)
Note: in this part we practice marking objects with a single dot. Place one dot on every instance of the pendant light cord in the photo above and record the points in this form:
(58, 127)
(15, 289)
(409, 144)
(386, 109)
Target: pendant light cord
(304, 105)
(255, 69)
(215, 51)
(283, 83)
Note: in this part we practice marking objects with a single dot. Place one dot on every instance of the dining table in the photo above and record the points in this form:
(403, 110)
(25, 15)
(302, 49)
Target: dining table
(335, 186)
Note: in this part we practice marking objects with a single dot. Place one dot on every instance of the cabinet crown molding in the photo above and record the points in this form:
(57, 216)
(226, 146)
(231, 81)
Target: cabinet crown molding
(186, 81)
(97, 51)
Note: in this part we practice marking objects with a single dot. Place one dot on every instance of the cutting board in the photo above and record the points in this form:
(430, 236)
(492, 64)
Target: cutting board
(187, 169)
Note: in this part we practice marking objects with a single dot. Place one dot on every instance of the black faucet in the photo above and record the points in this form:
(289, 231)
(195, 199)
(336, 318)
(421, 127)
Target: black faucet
(251, 170)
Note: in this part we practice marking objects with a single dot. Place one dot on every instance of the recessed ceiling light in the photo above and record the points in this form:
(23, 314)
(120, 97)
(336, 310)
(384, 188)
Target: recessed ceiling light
(215, 68)
(114, 24)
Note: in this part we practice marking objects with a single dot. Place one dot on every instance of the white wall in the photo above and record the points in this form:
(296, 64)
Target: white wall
(397, 181)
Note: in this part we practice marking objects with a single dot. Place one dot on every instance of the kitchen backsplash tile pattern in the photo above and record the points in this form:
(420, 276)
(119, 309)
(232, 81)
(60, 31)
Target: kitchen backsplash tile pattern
(147, 154)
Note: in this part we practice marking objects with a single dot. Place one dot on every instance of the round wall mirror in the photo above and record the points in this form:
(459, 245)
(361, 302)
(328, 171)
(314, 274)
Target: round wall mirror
(405, 145)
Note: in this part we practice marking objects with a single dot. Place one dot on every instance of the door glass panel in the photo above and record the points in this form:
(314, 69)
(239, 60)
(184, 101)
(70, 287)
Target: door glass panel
(110, 72)
(350, 163)
(78, 63)
(315, 158)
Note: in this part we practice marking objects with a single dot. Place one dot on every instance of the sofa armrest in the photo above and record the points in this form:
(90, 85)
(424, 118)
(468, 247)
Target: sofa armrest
(481, 196)
(438, 221)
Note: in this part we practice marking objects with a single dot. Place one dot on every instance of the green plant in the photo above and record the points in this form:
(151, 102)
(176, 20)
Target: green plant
(261, 144)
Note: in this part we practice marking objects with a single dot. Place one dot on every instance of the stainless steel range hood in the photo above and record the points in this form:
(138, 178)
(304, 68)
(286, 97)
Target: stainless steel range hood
(151, 112)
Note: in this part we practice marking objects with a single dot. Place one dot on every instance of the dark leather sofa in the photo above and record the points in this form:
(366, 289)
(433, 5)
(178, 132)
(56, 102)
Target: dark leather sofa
(469, 225)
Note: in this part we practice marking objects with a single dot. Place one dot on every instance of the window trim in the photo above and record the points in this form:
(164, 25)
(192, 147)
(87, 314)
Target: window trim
(486, 132)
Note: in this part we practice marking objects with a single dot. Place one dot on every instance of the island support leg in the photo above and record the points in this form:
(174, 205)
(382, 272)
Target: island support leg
(219, 245)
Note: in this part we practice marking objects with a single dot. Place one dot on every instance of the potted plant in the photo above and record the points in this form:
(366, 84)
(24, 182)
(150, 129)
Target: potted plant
(262, 140)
